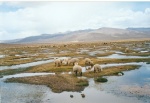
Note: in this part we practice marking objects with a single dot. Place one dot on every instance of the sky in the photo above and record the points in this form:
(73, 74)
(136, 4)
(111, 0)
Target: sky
(30, 18)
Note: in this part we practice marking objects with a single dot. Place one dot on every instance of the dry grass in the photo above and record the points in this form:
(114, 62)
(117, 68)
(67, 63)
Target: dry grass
(49, 67)
(43, 50)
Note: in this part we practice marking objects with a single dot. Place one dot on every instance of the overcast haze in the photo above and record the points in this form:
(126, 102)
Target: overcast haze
(22, 19)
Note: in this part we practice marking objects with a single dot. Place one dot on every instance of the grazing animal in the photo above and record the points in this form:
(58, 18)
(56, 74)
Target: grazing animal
(97, 68)
(65, 61)
(77, 69)
(58, 63)
(88, 62)
(72, 61)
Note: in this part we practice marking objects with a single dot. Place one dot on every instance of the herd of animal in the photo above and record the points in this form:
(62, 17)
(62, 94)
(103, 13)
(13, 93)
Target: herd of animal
(76, 67)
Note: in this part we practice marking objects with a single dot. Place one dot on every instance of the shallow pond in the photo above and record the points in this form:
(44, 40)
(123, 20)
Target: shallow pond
(2, 56)
(93, 53)
(25, 65)
(114, 91)
(121, 64)
(25, 75)
(118, 56)
(144, 51)
(135, 83)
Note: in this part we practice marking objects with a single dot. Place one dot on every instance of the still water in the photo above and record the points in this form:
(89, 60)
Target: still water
(25, 65)
(118, 89)
(118, 56)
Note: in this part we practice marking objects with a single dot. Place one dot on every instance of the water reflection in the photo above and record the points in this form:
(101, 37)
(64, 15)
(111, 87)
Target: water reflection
(22, 93)
(135, 83)
(93, 93)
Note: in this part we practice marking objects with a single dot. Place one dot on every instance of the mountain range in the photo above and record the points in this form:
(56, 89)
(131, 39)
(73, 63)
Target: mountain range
(88, 35)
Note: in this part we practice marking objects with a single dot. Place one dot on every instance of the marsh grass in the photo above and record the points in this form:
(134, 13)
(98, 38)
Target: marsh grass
(13, 71)
(65, 82)
(109, 71)
(49, 67)
(100, 79)
(72, 48)
(128, 60)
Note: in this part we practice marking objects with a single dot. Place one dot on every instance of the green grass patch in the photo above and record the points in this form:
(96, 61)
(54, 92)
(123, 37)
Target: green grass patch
(1, 76)
(100, 79)
(13, 71)
(82, 82)
(148, 62)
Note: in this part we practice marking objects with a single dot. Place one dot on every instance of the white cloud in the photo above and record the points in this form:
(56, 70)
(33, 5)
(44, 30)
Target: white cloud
(34, 18)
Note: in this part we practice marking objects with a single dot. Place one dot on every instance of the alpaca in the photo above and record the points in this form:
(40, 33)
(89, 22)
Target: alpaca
(77, 69)
(88, 62)
(97, 68)
(72, 61)
(58, 62)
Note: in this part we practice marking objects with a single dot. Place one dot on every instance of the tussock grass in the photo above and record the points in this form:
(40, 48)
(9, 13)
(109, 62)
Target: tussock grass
(58, 83)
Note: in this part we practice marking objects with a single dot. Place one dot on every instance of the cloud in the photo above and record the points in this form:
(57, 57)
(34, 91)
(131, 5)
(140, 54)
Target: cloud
(35, 18)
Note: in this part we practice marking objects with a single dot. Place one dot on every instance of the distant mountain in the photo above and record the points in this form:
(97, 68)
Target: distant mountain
(1, 41)
(101, 34)
(39, 38)
(104, 34)
(10, 41)
(147, 30)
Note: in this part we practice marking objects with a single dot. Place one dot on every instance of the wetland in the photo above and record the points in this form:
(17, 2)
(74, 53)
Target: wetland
(28, 73)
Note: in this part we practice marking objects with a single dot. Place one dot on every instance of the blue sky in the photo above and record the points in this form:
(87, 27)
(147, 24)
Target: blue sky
(136, 6)
(4, 7)
(22, 19)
